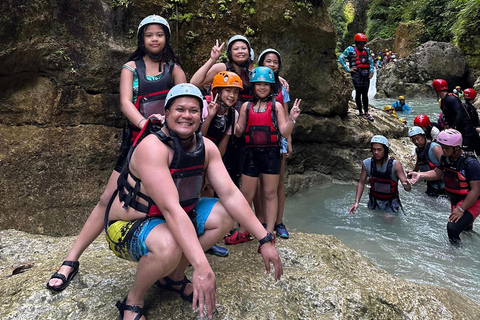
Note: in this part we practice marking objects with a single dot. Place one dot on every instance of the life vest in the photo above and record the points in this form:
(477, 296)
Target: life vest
(382, 186)
(219, 125)
(279, 96)
(187, 174)
(361, 59)
(398, 106)
(261, 129)
(424, 163)
(456, 184)
(152, 94)
(245, 94)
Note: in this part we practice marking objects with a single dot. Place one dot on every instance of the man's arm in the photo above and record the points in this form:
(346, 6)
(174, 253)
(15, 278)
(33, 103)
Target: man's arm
(360, 187)
(401, 176)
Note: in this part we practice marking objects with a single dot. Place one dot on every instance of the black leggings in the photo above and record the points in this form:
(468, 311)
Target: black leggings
(361, 95)
(455, 228)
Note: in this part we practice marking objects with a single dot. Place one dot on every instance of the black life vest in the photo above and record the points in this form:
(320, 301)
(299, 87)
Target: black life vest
(219, 125)
(262, 129)
(152, 94)
(398, 106)
(382, 186)
(186, 170)
(424, 163)
(456, 183)
(360, 59)
(245, 94)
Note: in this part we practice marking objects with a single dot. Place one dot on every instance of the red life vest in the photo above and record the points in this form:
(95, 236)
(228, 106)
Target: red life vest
(261, 131)
(382, 186)
(279, 96)
(361, 59)
(456, 184)
(424, 163)
(152, 94)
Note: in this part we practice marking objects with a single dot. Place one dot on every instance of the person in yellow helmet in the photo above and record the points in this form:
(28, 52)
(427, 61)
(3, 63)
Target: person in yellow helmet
(390, 110)
(400, 105)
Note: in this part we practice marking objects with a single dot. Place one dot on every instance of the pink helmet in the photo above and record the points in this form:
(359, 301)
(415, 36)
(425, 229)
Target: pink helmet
(450, 137)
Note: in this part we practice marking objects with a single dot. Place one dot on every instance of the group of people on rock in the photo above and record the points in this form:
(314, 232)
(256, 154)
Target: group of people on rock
(152, 209)
(444, 157)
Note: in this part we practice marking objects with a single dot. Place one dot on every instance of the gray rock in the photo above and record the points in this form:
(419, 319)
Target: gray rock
(323, 279)
(413, 75)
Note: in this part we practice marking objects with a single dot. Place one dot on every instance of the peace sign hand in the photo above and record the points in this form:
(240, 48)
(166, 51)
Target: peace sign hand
(212, 106)
(295, 112)
(216, 51)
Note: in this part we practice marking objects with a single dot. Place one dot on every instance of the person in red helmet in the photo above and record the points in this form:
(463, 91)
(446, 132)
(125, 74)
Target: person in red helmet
(469, 95)
(461, 175)
(456, 116)
(431, 129)
(361, 68)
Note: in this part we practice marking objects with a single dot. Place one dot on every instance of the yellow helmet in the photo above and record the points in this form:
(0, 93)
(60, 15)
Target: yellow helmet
(386, 108)
(458, 88)
(401, 97)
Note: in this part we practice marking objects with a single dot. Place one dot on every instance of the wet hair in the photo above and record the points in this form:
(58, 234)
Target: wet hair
(167, 54)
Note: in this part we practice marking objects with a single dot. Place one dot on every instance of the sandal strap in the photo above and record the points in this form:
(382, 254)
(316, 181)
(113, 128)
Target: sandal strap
(60, 276)
(122, 306)
(73, 264)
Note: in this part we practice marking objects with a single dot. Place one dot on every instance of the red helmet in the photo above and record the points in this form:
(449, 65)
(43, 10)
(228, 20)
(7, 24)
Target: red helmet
(421, 120)
(360, 37)
(469, 93)
(440, 85)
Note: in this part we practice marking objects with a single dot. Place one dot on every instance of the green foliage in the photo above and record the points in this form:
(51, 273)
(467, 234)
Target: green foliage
(121, 3)
(341, 12)
(305, 4)
(466, 29)
(288, 15)
(249, 32)
(438, 16)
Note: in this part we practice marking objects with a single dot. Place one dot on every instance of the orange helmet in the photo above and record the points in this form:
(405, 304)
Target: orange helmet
(225, 79)
(360, 37)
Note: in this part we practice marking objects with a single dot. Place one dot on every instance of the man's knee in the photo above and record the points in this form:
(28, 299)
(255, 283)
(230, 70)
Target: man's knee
(164, 246)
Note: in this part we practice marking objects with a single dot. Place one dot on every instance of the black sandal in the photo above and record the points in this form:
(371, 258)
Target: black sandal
(169, 283)
(122, 306)
(66, 280)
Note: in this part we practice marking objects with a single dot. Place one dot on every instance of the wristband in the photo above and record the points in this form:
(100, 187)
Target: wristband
(292, 119)
(138, 124)
(460, 208)
(268, 238)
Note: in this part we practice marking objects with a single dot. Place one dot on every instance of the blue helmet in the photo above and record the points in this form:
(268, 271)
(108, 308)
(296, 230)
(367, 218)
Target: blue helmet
(413, 131)
(380, 139)
(262, 74)
(153, 19)
(182, 90)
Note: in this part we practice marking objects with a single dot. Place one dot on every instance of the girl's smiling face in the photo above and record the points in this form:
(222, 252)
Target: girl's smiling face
(271, 61)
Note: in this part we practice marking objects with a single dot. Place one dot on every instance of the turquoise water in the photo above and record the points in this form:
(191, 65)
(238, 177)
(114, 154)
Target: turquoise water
(413, 246)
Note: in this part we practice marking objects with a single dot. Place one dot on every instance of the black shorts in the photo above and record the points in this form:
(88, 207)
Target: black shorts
(262, 160)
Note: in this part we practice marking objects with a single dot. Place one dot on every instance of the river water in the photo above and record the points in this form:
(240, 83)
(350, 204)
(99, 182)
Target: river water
(413, 246)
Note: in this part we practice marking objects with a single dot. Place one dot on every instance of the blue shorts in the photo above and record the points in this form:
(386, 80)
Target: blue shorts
(136, 245)
(283, 145)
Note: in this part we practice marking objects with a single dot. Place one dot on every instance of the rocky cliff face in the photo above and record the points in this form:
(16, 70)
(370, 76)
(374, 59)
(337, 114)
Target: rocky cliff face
(323, 279)
(61, 122)
(413, 75)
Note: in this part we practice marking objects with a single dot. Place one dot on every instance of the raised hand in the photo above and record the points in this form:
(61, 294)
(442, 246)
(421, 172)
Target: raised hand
(216, 51)
(212, 107)
(295, 111)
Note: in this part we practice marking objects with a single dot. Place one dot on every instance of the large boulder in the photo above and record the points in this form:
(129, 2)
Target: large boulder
(413, 75)
(323, 279)
(379, 45)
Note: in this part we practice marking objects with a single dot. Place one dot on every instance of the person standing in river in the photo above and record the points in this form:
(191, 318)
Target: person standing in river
(457, 116)
(461, 175)
(383, 173)
(152, 69)
(428, 157)
(361, 68)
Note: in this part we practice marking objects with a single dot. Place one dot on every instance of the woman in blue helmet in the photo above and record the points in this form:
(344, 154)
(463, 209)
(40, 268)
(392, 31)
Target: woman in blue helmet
(261, 121)
(144, 83)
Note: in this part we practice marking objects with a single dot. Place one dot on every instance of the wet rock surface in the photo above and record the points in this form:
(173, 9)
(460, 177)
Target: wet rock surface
(323, 279)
